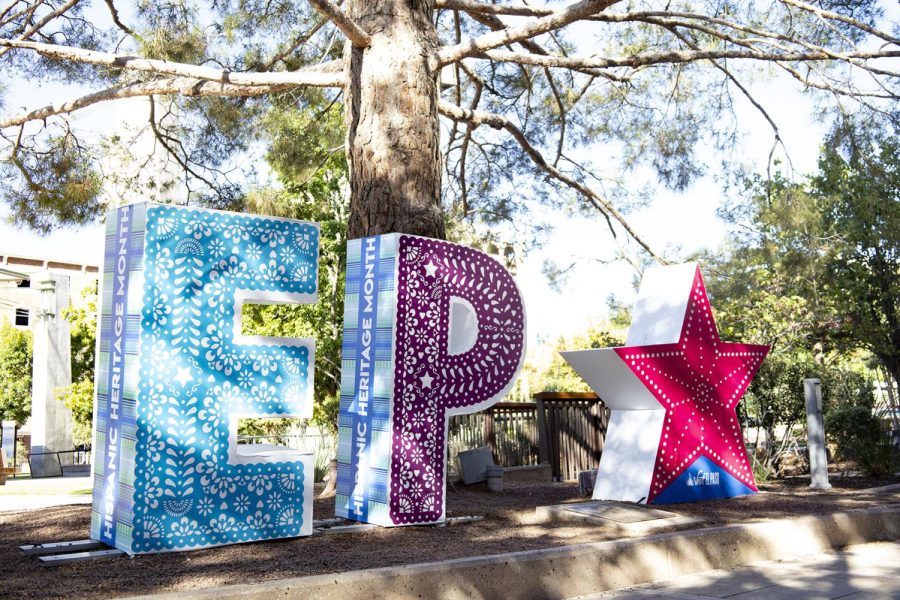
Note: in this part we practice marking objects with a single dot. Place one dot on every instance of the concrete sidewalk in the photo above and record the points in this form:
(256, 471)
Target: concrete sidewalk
(595, 567)
(33, 494)
(858, 572)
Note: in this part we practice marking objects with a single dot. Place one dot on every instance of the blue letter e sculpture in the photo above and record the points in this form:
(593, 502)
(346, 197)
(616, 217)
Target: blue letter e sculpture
(175, 374)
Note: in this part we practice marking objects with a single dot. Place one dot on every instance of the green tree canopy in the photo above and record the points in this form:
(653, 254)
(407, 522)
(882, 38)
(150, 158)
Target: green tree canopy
(313, 178)
(78, 396)
(15, 373)
(461, 107)
(859, 187)
(816, 265)
(813, 272)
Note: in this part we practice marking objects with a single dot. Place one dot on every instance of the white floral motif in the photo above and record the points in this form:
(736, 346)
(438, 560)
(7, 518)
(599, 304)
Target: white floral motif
(259, 484)
(153, 492)
(264, 364)
(274, 501)
(197, 229)
(216, 248)
(152, 528)
(286, 254)
(242, 503)
(178, 507)
(161, 310)
(165, 227)
(223, 524)
(205, 506)
(218, 354)
(293, 365)
(254, 252)
(259, 520)
(286, 517)
(301, 272)
(210, 414)
(428, 478)
(245, 379)
(185, 527)
(294, 393)
(304, 241)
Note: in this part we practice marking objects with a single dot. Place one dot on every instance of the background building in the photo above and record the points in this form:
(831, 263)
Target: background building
(34, 292)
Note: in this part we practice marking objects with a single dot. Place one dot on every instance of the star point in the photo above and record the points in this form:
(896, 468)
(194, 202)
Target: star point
(184, 376)
(426, 380)
(431, 269)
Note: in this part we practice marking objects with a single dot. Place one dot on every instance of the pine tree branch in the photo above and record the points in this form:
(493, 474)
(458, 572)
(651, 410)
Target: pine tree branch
(556, 20)
(182, 86)
(684, 56)
(348, 26)
(756, 104)
(6, 9)
(477, 117)
(114, 14)
(833, 16)
(166, 142)
(480, 8)
(4, 20)
(298, 41)
(47, 18)
(324, 75)
(496, 24)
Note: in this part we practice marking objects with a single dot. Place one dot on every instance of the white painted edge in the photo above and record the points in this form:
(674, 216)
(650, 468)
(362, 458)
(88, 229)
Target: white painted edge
(658, 313)
(629, 455)
(453, 324)
(608, 375)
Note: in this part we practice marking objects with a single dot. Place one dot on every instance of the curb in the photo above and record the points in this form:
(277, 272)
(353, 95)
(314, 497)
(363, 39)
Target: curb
(585, 568)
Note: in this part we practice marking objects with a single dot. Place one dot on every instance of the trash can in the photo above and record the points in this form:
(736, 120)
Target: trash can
(495, 478)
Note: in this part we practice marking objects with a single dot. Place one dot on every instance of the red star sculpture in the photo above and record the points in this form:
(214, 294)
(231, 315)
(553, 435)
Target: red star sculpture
(699, 381)
(673, 394)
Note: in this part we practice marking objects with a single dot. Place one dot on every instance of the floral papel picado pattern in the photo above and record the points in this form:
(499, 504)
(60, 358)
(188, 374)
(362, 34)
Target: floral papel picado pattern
(194, 378)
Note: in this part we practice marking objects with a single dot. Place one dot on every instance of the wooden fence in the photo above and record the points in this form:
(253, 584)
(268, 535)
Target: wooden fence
(565, 430)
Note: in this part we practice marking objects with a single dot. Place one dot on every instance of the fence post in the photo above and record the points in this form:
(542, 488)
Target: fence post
(489, 436)
(597, 426)
(543, 435)
(818, 459)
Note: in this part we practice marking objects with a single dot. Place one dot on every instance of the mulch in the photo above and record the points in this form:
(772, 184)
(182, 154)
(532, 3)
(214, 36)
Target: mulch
(508, 526)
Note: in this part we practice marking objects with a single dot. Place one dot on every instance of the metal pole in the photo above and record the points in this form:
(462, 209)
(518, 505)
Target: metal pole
(818, 460)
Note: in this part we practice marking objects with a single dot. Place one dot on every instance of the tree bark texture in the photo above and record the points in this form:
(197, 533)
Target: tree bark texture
(392, 121)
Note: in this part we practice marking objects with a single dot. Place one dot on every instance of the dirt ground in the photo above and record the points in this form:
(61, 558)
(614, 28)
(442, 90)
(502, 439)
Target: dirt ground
(509, 525)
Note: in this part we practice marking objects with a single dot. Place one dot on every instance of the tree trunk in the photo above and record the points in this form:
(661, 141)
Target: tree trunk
(392, 121)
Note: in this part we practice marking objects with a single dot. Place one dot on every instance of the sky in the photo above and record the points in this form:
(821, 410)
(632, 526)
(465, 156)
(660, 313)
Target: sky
(686, 221)
(683, 222)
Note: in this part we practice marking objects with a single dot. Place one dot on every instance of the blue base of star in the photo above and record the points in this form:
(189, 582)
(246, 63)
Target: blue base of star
(703, 480)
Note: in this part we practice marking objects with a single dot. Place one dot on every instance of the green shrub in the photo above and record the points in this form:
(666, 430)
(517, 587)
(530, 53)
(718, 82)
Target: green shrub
(876, 459)
(854, 430)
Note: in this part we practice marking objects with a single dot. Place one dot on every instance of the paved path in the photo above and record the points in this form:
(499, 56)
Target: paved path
(867, 571)
(32, 494)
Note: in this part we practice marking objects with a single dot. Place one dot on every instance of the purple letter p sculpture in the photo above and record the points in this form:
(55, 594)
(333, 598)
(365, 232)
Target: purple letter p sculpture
(431, 330)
